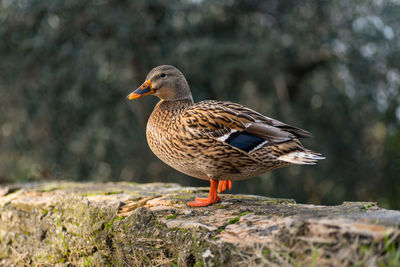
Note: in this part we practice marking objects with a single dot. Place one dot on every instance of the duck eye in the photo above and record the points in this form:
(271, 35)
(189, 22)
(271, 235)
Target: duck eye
(163, 75)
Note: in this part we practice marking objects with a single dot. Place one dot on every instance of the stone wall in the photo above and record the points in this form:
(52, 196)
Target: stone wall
(128, 224)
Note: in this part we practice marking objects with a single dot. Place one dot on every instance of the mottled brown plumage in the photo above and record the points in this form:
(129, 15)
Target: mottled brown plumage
(215, 140)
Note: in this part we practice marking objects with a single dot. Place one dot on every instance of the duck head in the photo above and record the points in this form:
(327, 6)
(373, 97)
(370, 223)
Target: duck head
(165, 82)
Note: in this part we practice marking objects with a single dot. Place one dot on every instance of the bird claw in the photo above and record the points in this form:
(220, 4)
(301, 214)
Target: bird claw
(213, 197)
(223, 185)
(203, 202)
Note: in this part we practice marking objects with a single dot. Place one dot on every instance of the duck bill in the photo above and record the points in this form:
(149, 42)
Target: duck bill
(143, 90)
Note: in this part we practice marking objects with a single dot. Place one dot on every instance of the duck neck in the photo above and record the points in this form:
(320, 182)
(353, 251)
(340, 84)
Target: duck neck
(174, 105)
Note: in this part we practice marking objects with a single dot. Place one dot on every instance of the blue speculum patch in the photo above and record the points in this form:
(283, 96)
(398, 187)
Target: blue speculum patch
(244, 141)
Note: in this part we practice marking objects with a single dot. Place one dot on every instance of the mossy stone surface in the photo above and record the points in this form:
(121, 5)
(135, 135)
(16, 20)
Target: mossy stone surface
(120, 224)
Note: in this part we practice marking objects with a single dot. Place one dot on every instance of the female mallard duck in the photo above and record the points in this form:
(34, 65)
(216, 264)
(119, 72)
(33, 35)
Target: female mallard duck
(215, 140)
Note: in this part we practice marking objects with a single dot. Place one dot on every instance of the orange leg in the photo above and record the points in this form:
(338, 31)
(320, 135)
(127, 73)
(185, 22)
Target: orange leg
(223, 185)
(213, 198)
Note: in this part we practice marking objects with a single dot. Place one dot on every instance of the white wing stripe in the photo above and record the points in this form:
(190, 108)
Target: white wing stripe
(226, 136)
(258, 147)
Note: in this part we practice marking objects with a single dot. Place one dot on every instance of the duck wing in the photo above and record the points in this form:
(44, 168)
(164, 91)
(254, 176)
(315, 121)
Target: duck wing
(238, 126)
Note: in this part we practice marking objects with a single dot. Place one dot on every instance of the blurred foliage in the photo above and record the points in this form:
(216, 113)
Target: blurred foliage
(331, 67)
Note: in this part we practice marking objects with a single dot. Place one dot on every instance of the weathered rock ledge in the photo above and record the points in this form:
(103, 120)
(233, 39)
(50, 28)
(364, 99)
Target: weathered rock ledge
(127, 224)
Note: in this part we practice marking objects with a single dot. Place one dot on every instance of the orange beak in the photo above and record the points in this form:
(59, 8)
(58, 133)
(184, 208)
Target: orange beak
(144, 89)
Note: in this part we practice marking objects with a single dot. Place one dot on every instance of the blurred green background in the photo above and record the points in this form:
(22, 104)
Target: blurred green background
(330, 67)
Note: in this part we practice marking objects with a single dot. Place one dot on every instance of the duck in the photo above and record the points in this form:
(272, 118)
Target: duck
(217, 141)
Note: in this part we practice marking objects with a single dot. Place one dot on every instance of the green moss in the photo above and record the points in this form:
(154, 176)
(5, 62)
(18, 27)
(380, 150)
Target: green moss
(266, 252)
(175, 260)
(88, 262)
(66, 249)
(159, 224)
(44, 212)
(173, 229)
(53, 258)
(89, 194)
(110, 223)
(172, 216)
(314, 257)
(180, 197)
(243, 213)
(234, 220)
(366, 207)
(113, 192)
(196, 249)
(278, 201)
(49, 189)
(100, 214)
(98, 193)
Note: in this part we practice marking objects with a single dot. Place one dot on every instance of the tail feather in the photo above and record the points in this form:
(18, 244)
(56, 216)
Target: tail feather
(302, 157)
